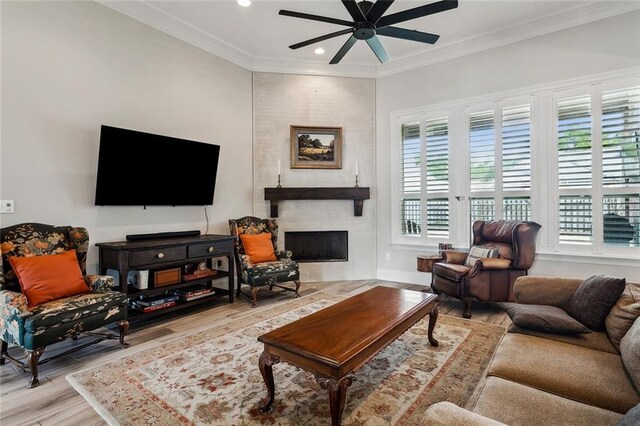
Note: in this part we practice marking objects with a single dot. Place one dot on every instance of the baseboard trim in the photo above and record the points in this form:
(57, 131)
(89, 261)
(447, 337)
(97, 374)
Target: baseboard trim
(404, 276)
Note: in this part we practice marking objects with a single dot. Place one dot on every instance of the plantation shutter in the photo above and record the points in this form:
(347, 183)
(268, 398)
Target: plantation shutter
(437, 150)
(482, 151)
(410, 208)
(575, 219)
(621, 137)
(516, 148)
(574, 142)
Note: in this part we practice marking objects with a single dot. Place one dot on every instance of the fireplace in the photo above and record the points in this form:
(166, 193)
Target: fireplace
(318, 246)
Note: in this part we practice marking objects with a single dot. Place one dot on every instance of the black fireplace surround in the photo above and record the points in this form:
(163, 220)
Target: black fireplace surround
(318, 246)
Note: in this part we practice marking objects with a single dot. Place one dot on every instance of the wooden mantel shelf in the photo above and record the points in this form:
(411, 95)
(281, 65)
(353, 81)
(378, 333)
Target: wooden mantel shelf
(355, 193)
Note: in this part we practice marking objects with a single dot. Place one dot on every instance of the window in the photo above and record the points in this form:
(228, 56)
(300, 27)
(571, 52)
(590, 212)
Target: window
(425, 190)
(500, 163)
(598, 154)
(565, 157)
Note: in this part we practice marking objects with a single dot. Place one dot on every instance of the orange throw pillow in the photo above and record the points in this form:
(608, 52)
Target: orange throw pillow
(259, 247)
(49, 277)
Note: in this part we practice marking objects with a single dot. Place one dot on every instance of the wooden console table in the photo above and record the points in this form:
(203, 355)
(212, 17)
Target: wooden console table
(159, 254)
(355, 193)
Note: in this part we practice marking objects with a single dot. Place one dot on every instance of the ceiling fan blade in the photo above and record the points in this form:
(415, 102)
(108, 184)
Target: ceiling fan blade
(354, 10)
(343, 50)
(316, 18)
(378, 49)
(408, 34)
(321, 38)
(417, 12)
(378, 9)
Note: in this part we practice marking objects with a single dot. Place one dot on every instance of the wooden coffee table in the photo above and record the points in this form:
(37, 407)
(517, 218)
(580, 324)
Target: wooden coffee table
(335, 342)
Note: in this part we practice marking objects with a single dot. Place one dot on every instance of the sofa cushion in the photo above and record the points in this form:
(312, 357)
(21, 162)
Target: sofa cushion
(448, 414)
(543, 318)
(451, 271)
(478, 252)
(593, 300)
(632, 418)
(584, 375)
(630, 352)
(622, 315)
(517, 404)
(597, 340)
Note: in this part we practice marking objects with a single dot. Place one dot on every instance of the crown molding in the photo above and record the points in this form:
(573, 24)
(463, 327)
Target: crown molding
(148, 14)
(547, 24)
(294, 66)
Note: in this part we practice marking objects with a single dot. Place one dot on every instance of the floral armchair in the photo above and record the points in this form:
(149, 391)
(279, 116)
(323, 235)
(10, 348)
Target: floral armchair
(262, 274)
(33, 329)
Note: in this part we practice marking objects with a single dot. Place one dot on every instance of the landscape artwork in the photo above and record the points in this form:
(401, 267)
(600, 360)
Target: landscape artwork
(316, 147)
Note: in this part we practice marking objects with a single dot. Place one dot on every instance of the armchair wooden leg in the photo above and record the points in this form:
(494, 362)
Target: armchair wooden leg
(32, 360)
(297, 287)
(467, 301)
(124, 327)
(3, 351)
(254, 297)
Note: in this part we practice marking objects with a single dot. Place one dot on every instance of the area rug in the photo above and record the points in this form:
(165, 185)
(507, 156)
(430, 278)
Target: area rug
(212, 377)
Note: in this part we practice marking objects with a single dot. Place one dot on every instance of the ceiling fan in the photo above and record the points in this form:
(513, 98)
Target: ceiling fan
(368, 23)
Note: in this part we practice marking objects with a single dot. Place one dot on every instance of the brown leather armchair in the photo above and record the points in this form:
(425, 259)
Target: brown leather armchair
(489, 279)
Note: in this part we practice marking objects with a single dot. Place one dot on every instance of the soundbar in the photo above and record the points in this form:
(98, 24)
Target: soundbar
(159, 235)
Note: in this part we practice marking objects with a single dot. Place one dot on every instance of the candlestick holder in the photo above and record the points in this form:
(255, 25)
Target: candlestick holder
(279, 186)
(357, 182)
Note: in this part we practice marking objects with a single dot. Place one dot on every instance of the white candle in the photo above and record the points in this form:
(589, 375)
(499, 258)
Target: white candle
(356, 168)
(279, 167)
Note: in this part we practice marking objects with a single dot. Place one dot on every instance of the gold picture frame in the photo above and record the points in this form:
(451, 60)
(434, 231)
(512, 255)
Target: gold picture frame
(316, 147)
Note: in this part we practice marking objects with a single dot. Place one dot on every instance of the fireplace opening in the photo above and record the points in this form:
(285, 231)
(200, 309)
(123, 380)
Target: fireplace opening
(318, 246)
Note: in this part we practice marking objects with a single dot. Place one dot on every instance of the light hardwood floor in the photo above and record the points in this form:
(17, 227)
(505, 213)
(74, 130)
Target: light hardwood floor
(55, 402)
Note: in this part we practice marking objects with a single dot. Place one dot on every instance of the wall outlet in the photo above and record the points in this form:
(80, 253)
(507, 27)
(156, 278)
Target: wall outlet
(6, 206)
(387, 256)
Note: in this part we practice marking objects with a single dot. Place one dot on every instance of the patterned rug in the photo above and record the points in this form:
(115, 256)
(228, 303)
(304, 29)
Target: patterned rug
(212, 377)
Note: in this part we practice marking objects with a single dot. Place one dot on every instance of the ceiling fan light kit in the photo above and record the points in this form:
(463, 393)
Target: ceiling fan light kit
(369, 22)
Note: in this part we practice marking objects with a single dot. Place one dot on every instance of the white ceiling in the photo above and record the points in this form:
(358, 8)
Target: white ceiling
(257, 38)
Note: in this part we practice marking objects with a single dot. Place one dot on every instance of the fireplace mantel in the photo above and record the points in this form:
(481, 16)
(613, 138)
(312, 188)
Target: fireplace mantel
(355, 193)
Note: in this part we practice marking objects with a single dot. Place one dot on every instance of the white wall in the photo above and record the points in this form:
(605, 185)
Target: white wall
(67, 68)
(281, 100)
(603, 46)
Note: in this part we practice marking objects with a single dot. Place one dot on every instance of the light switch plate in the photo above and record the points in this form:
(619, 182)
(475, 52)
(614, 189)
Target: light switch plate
(6, 206)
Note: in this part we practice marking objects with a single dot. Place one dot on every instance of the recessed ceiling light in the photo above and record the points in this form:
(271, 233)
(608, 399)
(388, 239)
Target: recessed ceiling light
(244, 3)
(319, 51)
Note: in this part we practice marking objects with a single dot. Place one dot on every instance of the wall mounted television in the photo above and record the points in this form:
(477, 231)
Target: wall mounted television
(143, 169)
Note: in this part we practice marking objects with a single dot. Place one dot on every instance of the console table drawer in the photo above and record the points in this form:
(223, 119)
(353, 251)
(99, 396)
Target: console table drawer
(159, 255)
(201, 250)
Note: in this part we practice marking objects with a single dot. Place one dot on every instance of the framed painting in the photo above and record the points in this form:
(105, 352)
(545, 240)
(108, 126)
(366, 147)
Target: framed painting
(316, 147)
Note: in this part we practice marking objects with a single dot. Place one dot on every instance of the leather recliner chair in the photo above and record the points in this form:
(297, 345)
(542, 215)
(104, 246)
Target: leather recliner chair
(489, 279)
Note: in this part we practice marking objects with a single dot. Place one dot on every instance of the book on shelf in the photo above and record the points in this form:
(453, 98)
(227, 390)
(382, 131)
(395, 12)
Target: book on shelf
(189, 298)
(146, 309)
(156, 300)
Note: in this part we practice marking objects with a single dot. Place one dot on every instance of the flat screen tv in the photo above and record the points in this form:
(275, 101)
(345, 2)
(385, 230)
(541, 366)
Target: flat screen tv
(143, 169)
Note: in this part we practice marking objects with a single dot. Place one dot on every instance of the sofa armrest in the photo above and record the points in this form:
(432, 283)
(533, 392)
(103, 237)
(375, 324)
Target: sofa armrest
(99, 283)
(551, 291)
(455, 257)
(13, 312)
(448, 414)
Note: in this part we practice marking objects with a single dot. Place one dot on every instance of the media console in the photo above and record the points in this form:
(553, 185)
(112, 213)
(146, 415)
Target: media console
(162, 254)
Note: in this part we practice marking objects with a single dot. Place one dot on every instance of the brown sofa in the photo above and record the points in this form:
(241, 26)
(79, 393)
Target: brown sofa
(552, 379)
(489, 279)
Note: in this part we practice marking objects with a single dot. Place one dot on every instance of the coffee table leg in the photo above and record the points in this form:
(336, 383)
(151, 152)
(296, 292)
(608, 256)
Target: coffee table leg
(433, 317)
(266, 363)
(337, 395)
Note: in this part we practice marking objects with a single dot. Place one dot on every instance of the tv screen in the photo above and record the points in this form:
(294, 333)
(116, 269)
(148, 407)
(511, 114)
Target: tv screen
(143, 169)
